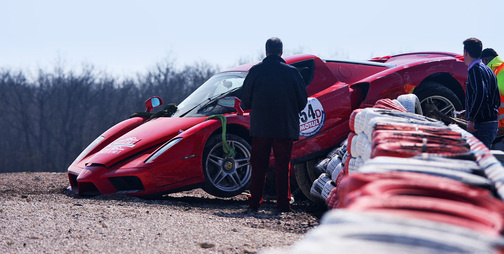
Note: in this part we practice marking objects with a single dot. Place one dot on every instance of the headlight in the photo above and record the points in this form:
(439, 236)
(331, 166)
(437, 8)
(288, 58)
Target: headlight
(89, 148)
(162, 150)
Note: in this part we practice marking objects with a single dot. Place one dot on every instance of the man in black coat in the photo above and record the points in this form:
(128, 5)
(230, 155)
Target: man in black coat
(276, 93)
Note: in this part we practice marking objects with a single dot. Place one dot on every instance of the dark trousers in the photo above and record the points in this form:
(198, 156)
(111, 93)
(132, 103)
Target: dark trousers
(486, 132)
(259, 159)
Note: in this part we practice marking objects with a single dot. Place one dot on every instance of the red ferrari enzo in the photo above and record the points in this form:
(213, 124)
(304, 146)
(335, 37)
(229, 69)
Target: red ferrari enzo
(204, 141)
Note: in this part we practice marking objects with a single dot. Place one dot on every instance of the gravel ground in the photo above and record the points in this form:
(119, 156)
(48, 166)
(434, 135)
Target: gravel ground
(38, 215)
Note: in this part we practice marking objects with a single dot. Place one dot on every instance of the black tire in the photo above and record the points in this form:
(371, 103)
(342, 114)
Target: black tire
(313, 173)
(225, 176)
(434, 95)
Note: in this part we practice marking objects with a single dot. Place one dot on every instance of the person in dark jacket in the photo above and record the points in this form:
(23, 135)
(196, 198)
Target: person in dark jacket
(275, 93)
(482, 95)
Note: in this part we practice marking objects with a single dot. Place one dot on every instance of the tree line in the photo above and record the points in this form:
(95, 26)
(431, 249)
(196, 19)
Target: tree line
(48, 120)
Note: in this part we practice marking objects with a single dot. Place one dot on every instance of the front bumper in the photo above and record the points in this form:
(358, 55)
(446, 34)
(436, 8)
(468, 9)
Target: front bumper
(97, 180)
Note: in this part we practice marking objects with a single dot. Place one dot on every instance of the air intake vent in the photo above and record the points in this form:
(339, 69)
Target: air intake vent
(88, 189)
(127, 183)
(73, 182)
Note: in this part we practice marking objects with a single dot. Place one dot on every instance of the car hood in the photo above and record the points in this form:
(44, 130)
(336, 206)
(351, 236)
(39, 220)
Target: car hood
(144, 137)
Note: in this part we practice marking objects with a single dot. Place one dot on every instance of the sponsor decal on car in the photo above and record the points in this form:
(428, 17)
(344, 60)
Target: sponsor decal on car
(128, 142)
(311, 119)
(119, 145)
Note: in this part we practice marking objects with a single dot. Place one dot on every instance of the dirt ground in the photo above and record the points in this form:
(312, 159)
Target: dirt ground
(39, 215)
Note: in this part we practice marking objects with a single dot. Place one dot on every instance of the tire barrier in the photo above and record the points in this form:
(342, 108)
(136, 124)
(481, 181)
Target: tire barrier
(322, 166)
(414, 134)
(417, 136)
(446, 211)
(468, 173)
(362, 118)
(439, 188)
(425, 161)
(361, 146)
(346, 164)
(350, 140)
(492, 167)
(440, 131)
(479, 149)
(343, 231)
(371, 113)
(334, 163)
(328, 187)
(370, 126)
(417, 184)
(354, 164)
(339, 151)
(410, 148)
(351, 120)
(411, 103)
(329, 169)
(411, 143)
(391, 104)
(336, 171)
(319, 189)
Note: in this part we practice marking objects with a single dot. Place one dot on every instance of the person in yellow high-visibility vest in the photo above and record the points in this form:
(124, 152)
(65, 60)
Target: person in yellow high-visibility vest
(492, 60)
(490, 57)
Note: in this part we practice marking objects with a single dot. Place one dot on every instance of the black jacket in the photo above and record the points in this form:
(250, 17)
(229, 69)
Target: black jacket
(482, 94)
(276, 93)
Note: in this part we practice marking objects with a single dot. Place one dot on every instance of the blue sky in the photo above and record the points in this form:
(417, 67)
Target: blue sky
(128, 37)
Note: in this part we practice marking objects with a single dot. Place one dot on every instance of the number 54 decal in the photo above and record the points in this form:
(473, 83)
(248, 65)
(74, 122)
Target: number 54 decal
(312, 118)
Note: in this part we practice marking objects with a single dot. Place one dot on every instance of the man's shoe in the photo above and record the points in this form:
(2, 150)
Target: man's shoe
(284, 210)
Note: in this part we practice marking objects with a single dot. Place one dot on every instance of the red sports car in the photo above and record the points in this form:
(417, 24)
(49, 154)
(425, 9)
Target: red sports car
(180, 148)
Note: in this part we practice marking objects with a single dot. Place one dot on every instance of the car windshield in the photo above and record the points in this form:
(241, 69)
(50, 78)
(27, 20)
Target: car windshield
(203, 101)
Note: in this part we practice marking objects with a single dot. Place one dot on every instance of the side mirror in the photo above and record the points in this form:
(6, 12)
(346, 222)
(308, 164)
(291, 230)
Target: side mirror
(153, 102)
(231, 102)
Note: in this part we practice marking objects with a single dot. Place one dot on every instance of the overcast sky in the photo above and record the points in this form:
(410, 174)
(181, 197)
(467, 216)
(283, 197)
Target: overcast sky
(124, 37)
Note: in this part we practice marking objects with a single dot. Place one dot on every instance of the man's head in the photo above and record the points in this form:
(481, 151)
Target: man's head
(472, 50)
(488, 55)
(274, 46)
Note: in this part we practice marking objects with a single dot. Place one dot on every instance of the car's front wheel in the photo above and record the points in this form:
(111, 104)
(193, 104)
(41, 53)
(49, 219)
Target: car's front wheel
(226, 176)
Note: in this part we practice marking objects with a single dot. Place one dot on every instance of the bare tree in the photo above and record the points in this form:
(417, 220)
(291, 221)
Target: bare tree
(47, 122)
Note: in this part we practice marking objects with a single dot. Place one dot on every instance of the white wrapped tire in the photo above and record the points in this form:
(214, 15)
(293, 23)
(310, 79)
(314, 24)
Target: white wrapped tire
(360, 122)
(398, 103)
(370, 113)
(345, 157)
(354, 164)
(327, 189)
(359, 142)
(368, 129)
(411, 103)
(334, 174)
(318, 186)
(321, 166)
(366, 154)
(335, 161)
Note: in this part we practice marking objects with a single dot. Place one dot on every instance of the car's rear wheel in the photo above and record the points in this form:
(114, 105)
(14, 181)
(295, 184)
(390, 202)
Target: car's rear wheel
(310, 169)
(434, 96)
(226, 176)
(304, 181)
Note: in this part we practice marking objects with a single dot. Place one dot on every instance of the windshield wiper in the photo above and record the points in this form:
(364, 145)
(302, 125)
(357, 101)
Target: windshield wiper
(209, 100)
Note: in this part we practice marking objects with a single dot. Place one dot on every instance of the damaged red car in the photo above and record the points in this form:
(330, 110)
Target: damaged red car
(181, 147)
